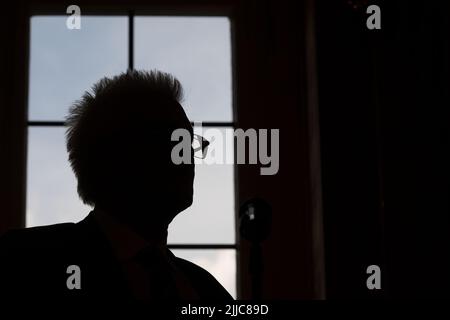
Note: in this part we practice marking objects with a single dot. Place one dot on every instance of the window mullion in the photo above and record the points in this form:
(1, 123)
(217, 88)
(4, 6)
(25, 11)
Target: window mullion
(131, 40)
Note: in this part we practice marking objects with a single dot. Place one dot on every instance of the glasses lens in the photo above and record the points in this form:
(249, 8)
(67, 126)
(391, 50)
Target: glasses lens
(200, 146)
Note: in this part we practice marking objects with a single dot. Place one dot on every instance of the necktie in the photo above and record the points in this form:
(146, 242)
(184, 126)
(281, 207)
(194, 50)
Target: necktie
(160, 278)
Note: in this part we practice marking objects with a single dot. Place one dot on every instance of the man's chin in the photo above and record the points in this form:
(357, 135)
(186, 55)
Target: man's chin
(181, 206)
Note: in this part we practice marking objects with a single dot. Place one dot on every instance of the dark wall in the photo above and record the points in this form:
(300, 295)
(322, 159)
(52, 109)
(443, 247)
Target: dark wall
(383, 97)
(13, 54)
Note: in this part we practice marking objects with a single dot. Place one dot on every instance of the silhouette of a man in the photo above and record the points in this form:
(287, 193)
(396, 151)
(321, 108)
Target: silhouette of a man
(119, 144)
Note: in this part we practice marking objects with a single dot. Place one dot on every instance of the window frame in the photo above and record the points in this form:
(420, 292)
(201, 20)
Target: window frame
(178, 9)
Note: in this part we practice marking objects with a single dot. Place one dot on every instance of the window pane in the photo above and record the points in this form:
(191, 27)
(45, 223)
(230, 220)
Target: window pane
(52, 196)
(211, 218)
(51, 189)
(197, 50)
(221, 263)
(64, 63)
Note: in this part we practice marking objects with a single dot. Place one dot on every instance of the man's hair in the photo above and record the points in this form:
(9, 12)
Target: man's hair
(97, 121)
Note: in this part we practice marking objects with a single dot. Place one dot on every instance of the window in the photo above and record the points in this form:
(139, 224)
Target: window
(64, 63)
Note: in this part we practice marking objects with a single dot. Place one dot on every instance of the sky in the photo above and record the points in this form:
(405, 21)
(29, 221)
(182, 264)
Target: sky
(64, 63)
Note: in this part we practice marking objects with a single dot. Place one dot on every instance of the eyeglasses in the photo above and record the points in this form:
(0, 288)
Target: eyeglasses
(200, 146)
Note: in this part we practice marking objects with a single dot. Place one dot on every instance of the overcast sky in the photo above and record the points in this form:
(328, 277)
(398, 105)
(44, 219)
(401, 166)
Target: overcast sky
(64, 63)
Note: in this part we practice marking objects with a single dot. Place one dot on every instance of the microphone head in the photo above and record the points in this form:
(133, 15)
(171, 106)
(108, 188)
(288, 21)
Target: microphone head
(255, 217)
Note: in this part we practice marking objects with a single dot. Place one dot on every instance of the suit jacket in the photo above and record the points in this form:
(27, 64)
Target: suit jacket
(34, 262)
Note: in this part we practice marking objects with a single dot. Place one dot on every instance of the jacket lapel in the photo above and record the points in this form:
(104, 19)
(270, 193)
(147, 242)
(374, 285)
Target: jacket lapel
(102, 275)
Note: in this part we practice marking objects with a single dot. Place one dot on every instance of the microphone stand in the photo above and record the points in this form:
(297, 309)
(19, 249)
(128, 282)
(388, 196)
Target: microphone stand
(255, 222)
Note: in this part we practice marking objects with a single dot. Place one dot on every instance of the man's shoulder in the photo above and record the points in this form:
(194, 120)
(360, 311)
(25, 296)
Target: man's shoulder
(51, 236)
(34, 261)
(208, 287)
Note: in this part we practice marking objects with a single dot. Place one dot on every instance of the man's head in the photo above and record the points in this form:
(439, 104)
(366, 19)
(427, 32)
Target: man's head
(119, 145)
